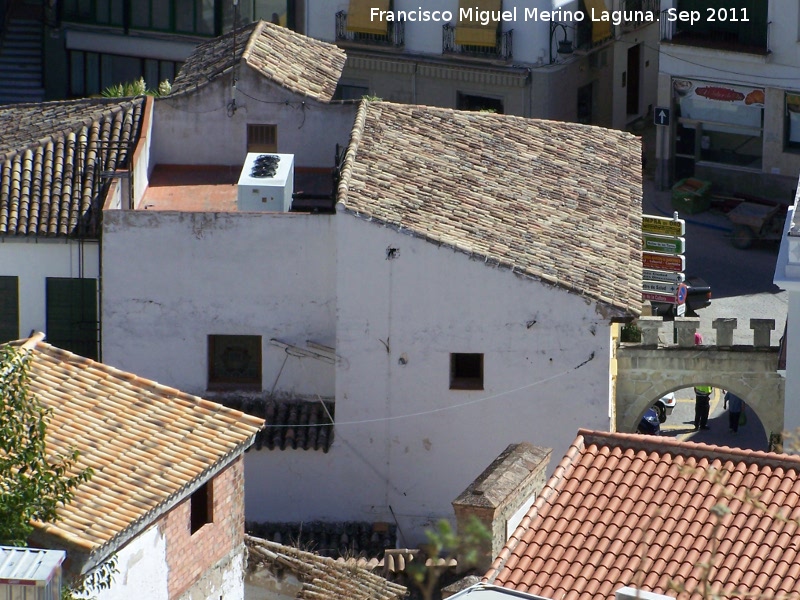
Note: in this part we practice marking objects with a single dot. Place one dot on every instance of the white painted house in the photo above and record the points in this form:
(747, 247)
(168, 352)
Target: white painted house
(165, 501)
(261, 88)
(57, 160)
(730, 79)
(460, 299)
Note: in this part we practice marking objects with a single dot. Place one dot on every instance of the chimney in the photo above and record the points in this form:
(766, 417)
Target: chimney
(501, 496)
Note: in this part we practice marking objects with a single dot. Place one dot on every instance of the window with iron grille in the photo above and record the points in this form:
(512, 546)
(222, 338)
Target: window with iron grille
(234, 361)
(262, 138)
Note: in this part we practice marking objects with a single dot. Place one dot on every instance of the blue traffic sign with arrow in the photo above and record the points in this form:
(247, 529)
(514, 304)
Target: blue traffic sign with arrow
(661, 116)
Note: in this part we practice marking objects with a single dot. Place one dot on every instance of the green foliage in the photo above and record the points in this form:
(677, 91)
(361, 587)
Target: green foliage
(136, 88)
(630, 333)
(33, 483)
(445, 543)
(371, 98)
(98, 579)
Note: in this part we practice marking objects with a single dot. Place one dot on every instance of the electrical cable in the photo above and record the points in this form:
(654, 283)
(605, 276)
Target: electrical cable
(452, 406)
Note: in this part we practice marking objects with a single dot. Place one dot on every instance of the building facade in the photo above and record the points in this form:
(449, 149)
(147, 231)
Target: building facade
(540, 59)
(546, 59)
(417, 332)
(728, 79)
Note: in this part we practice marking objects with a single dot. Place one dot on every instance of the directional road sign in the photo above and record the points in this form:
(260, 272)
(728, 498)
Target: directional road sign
(663, 262)
(661, 116)
(663, 244)
(663, 226)
(655, 297)
(660, 288)
(665, 276)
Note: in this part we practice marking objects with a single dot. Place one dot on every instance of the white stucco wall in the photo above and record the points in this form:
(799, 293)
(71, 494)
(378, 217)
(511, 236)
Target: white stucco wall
(199, 128)
(171, 279)
(142, 569)
(786, 278)
(406, 445)
(33, 261)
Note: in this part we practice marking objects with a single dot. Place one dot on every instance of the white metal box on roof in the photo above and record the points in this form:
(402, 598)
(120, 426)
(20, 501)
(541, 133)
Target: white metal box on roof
(266, 183)
(30, 573)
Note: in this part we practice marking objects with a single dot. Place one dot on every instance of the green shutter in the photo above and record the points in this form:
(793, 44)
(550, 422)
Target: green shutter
(72, 315)
(9, 308)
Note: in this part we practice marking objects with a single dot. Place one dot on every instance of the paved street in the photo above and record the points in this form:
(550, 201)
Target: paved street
(680, 424)
(741, 283)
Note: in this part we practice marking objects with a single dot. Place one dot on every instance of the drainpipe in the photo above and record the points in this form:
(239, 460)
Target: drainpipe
(414, 84)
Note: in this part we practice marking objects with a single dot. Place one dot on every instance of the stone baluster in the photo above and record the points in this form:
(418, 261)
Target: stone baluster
(650, 327)
(761, 331)
(724, 328)
(686, 326)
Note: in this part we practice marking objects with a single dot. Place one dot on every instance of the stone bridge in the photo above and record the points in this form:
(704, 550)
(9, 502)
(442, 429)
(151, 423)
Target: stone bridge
(648, 370)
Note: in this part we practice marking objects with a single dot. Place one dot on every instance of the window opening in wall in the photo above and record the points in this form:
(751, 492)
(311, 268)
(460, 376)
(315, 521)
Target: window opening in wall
(9, 308)
(479, 103)
(201, 507)
(71, 317)
(718, 123)
(262, 138)
(792, 123)
(234, 361)
(350, 92)
(466, 371)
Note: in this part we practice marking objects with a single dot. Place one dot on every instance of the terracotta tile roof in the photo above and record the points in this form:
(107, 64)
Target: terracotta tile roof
(145, 442)
(289, 424)
(51, 154)
(302, 65)
(560, 202)
(322, 578)
(623, 506)
(333, 539)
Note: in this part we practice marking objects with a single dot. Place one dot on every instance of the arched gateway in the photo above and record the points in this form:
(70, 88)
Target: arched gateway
(648, 370)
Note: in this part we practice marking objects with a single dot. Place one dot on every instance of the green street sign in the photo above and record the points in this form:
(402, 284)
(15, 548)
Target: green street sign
(663, 244)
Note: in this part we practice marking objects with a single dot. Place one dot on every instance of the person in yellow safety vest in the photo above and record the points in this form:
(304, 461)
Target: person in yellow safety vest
(702, 404)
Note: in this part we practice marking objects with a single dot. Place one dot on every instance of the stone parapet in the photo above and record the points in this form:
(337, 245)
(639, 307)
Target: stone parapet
(685, 328)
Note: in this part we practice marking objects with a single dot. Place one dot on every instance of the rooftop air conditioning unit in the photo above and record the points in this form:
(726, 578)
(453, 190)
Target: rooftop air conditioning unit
(266, 183)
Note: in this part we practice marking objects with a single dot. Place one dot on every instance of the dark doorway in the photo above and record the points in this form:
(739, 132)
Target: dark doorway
(585, 112)
(634, 59)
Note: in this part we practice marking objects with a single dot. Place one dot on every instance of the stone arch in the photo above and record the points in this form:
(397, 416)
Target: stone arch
(645, 374)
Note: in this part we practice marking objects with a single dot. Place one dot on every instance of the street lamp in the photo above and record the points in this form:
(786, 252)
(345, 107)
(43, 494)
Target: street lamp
(564, 45)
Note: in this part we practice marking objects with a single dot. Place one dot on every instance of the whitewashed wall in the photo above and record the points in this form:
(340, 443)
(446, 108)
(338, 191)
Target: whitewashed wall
(405, 444)
(142, 569)
(33, 261)
(198, 128)
(171, 279)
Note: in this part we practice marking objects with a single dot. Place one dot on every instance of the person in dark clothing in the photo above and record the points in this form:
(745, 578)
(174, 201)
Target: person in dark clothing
(735, 405)
(702, 404)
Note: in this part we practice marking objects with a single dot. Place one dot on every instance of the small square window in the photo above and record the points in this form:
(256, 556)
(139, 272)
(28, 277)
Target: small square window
(262, 138)
(201, 506)
(466, 371)
(234, 361)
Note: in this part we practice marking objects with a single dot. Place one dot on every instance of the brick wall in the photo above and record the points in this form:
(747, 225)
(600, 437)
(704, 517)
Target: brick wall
(189, 555)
